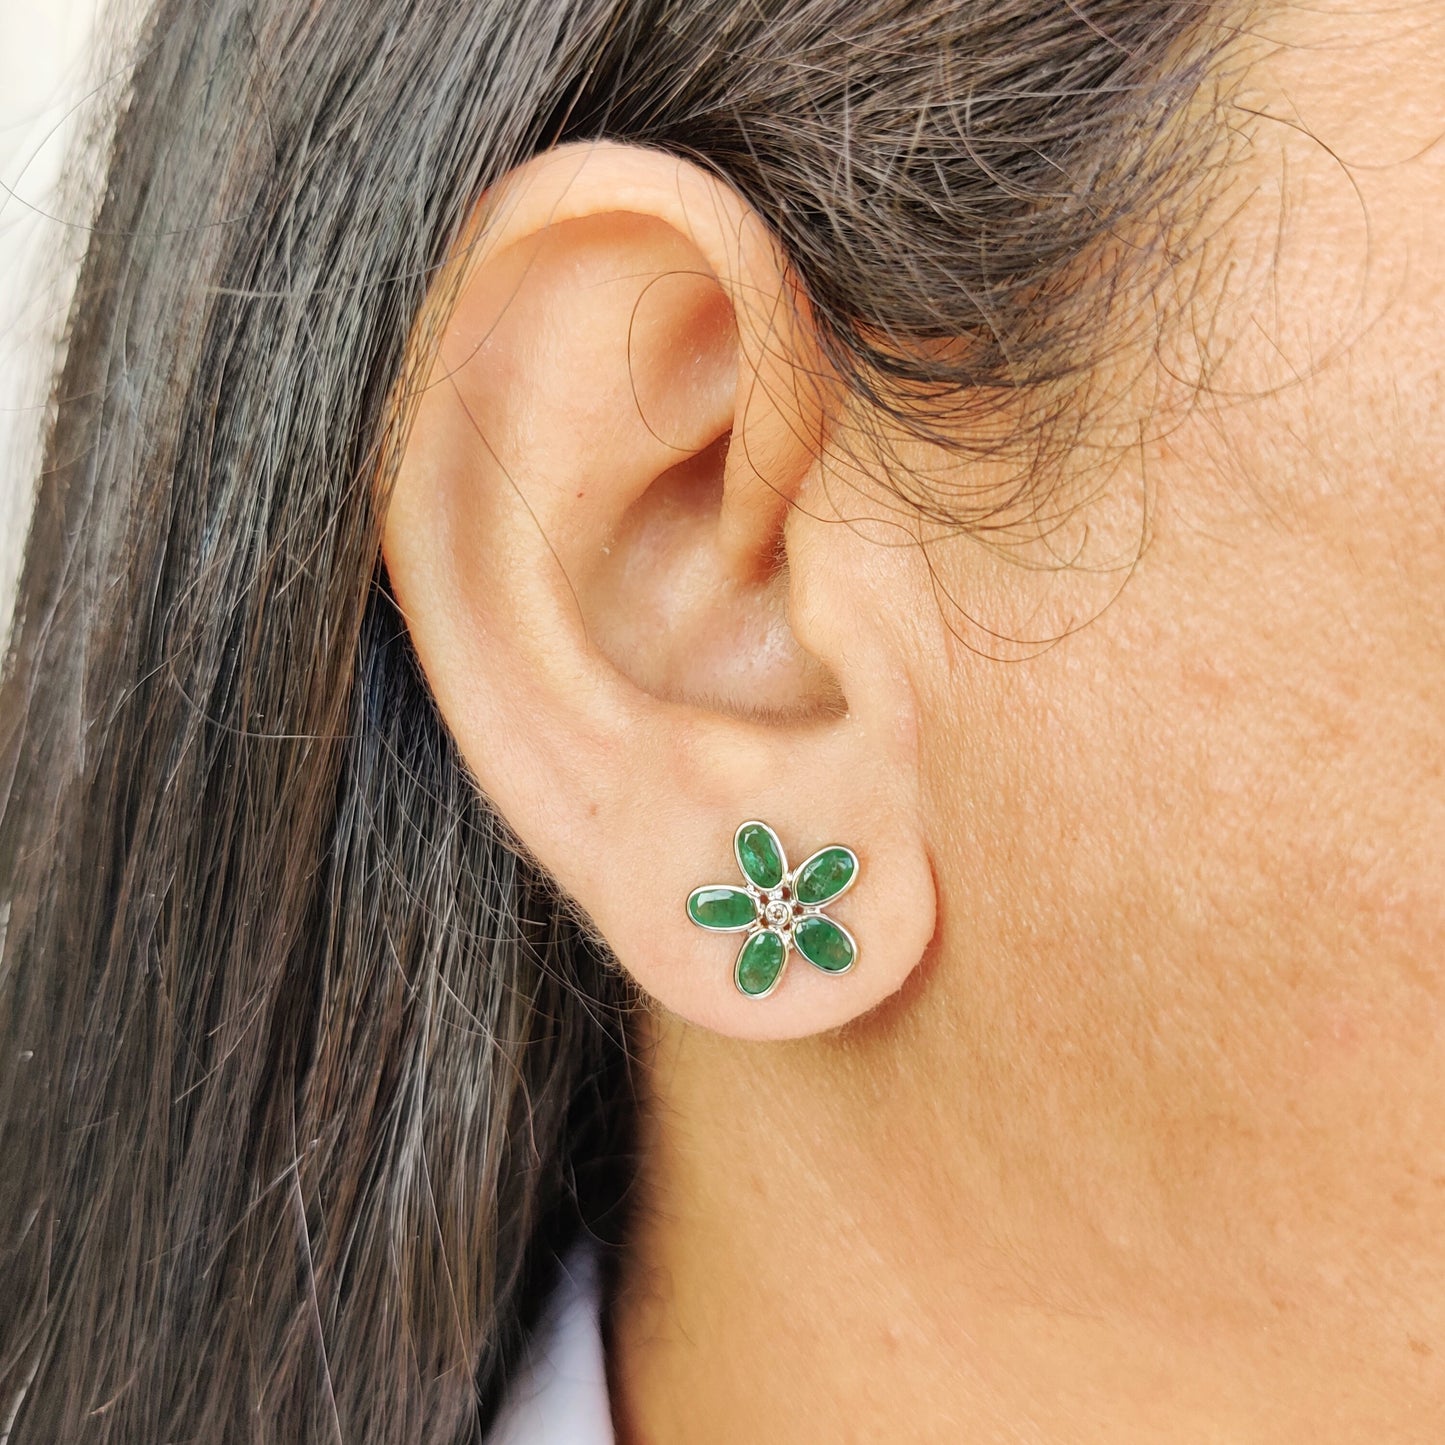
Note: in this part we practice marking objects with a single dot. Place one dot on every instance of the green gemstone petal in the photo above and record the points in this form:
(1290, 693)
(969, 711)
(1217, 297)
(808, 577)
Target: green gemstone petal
(723, 909)
(760, 854)
(826, 874)
(760, 961)
(825, 944)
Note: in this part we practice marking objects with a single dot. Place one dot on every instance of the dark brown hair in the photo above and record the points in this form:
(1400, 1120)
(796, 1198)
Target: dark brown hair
(306, 1074)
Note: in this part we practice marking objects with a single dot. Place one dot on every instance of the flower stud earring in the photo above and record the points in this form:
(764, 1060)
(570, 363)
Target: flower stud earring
(779, 910)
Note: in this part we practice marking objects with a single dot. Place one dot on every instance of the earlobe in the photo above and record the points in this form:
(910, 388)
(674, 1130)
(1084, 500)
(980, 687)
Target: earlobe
(637, 638)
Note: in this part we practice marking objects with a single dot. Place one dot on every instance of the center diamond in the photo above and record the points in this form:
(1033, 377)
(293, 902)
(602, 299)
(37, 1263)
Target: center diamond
(777, 914)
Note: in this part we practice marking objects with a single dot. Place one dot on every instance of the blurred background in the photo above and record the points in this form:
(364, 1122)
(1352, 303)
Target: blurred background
(46, 78)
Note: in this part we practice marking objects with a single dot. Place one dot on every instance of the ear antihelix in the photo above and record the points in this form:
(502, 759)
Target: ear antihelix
(778, 909)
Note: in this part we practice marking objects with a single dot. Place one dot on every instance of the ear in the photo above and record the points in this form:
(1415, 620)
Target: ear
(612, 543)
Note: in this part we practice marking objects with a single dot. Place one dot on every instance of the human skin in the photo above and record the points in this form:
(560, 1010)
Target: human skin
(1147, 1142)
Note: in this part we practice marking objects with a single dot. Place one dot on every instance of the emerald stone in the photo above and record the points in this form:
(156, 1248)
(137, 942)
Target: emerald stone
(825, 875)
(721, 908)
(760, 855)
(824, 944)
(760, 961)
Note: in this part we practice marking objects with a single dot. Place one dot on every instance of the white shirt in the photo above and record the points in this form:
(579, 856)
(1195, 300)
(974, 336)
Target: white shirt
(559, 1396)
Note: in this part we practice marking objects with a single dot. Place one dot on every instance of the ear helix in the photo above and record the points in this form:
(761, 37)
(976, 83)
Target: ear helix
(779, 910)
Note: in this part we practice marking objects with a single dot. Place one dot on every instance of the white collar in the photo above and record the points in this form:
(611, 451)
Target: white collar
(559, 1396)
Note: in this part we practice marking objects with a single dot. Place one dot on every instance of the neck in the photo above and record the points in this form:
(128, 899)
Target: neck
(829, 1245)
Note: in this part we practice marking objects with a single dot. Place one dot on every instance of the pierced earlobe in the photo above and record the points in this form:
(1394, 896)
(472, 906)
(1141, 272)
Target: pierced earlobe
(779, 910)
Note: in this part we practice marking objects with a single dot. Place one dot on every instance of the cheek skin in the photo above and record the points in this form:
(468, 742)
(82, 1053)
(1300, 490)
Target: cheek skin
(1193, 857)
(1189, 991)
